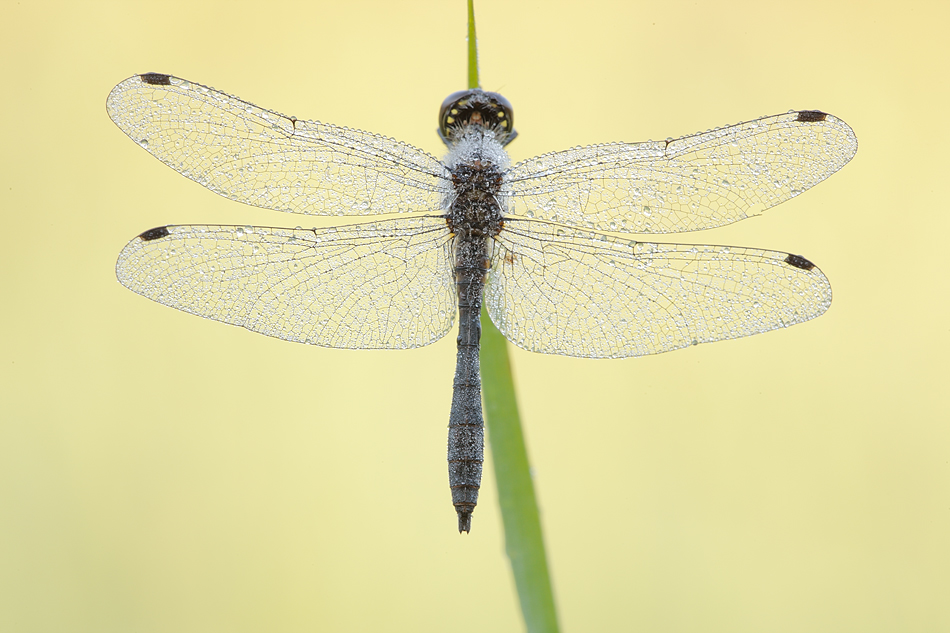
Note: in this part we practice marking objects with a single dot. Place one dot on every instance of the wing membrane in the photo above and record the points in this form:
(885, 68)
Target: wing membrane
(370, 286)
(269, 160)
(688, 184)
(556, 290)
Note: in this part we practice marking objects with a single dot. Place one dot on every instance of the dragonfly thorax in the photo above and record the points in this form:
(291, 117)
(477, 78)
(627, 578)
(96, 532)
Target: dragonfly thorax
(476, 165)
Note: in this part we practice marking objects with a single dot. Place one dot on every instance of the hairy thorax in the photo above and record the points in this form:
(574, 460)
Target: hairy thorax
(477, 166)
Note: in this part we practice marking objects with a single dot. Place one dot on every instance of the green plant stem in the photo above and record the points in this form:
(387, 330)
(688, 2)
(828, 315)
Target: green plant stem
(524, 543)
(472, 48)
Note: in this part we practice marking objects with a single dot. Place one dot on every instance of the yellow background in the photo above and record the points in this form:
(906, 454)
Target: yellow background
(159, 472)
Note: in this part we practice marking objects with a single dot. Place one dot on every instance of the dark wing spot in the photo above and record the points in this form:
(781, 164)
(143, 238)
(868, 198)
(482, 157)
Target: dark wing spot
(811, 116)
(799, 262)
(154, 234)
(156, 79)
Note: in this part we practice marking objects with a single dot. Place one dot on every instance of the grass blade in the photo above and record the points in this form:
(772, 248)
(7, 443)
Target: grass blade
(519, 507)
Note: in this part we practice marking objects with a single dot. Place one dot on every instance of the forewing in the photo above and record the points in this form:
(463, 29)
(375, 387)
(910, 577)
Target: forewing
(560, 291)
(688, 184)
(270, 160)
(369, 286)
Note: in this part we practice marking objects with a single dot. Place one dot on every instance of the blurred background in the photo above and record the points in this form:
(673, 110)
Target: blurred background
(159, 472)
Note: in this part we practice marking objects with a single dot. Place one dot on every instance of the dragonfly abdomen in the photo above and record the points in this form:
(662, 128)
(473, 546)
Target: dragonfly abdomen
(466, 427)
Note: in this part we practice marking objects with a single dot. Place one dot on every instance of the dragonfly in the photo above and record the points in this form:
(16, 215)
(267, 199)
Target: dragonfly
(545, 244)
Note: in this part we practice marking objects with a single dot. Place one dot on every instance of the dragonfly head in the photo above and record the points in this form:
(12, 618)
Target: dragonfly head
(476, 107)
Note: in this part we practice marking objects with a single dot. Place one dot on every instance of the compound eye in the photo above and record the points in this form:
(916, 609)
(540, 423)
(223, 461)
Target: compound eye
(451, 109)
(475, 107)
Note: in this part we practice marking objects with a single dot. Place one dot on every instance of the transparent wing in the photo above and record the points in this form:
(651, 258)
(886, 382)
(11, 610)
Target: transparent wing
(269, 160)
(370, 286)
(556, 290)
(688, 184)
